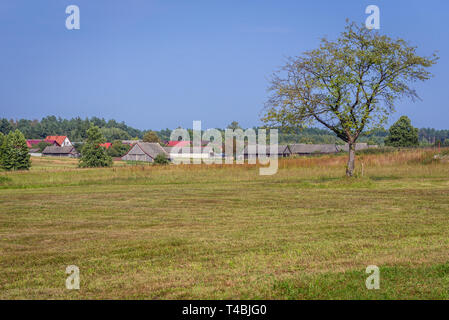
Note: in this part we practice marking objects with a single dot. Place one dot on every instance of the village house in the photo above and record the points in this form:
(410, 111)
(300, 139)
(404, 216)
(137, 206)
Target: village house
(131, 142)
(31, 143)
(205, 152)
(144, 151)
(61, 141)
(282, 151)
(35, 152)
(55, 151)
(358, 147)
(309, 149)
(302, 149)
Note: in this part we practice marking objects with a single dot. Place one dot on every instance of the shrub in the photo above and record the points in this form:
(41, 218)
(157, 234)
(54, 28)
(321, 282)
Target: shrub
(92, 154)
(118, 149)
(402, 134)
(161, 159)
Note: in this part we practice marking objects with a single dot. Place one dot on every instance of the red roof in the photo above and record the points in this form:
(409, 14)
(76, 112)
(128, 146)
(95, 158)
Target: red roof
(178, 143)
(107, 145)
(58, 139)
(32, 142)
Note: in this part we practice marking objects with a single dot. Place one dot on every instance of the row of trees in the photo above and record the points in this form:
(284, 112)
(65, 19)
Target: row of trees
(14, 151)
(75, 128)
(112, 130)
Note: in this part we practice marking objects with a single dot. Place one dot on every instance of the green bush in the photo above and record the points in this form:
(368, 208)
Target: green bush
(402, 134)
(161, 159)
(118, 149)
(92, 154)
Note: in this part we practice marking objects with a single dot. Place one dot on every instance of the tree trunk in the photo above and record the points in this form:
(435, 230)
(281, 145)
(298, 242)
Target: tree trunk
(351, 160)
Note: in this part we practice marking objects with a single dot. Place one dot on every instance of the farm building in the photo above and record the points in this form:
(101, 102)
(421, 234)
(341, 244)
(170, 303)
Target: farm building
(31, 143)
(191, 154)
(35, 152)
(144, 151)
(178, 143)
(131, 142)
(307, 149)
(61, 141)
(358, 147)
(283, 151)
(55, 151)
(184, 143)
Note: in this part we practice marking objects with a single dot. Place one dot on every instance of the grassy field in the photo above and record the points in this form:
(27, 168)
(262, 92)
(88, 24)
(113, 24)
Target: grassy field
(222, 232)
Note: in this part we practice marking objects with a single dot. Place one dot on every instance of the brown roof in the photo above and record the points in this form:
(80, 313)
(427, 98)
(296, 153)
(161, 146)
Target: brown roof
(358, 146)
(167, 149)
(282, 149)
(151, 149)
(59, 150)
(301, 148)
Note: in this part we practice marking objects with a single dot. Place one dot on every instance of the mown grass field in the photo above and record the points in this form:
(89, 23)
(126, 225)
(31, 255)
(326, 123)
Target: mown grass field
(225, 232)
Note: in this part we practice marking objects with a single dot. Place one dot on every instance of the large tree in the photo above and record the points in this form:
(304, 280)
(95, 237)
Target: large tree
(92, 154)
(402, 134)
(348, 85)
(150, 136)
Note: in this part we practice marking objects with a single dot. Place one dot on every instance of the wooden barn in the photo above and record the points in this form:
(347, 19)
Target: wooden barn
(309, 149)
(55, 151)
(144, 151)
(283, 151)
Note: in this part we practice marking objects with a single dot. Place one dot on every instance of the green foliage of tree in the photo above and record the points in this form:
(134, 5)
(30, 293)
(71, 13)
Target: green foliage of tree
(112, 134)
(5, 126)
(118, 149)
(234, 125)
(348, 85)
(150, 136)
(402, 134)
(2, 143)
(42, 145)
(161, 159)
(14, 152)
(164, 134)
(74, 128)
(92, 154)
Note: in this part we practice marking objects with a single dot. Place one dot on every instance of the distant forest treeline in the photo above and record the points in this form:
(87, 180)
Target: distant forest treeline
(76, 128)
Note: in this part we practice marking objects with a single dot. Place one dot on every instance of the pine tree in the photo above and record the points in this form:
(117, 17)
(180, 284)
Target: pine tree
(92, 154)
(402, 134)
(14, 152)
(2, 142)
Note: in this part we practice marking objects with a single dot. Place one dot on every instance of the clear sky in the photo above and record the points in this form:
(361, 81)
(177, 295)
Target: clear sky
(158, 64)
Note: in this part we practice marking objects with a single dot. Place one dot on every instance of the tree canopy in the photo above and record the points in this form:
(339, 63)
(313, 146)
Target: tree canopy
(348, 85)
(92, 154)
(74, 128)
(150, 136)
(402, 134)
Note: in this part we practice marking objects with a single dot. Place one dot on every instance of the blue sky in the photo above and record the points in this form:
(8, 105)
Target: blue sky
(158, 64)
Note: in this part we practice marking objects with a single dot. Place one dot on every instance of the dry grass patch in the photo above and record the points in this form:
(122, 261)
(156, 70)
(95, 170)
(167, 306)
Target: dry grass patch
(226, 232)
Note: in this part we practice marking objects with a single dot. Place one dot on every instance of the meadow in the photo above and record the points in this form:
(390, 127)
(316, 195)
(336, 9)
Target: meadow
(225, 232)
